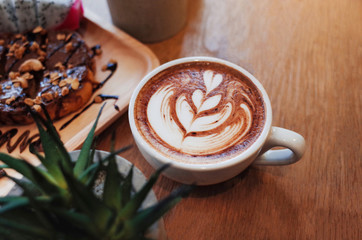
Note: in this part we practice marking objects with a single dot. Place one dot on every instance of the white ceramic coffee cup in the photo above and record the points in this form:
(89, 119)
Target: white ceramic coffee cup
(258, 153)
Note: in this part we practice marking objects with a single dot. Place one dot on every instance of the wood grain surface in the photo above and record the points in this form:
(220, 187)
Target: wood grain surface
(308, 56)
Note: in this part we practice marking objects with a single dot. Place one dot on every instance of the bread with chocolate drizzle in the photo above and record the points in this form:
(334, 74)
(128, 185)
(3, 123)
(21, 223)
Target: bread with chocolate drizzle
(53, 68)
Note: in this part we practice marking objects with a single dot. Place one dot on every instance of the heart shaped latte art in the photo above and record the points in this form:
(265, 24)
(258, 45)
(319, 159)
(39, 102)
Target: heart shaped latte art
(205, 122)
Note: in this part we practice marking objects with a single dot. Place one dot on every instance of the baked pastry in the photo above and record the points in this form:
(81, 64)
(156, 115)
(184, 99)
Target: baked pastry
(54, 68)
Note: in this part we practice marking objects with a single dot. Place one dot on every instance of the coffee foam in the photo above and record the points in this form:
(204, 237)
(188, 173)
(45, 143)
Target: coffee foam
(199, 112)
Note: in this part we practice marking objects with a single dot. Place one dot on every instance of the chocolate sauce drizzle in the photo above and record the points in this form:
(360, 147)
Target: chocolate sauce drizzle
(60, 46)
(102, 96)
(22, 141)
(31, 38)
(111, 66)
(95, 49)
(72, 53)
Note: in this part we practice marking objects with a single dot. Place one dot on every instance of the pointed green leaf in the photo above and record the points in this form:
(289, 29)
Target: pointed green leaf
(145, 218)
(42, 181)
(111, 193)
(53, 155)
(121, 198)
(33, 150)
(35, 174)
(19, 165)
(89, 175)
(26, 229)
(113, 154)
(126, 188)
(84, 156)
(48, 123)
(13, 235)
(13, 203)
(132, 206)
(75, 219)
(53, 147)
(85, 200)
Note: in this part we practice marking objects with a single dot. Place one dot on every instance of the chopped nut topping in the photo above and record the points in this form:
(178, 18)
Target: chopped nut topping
(69, 80)
(60, 36)
(75, 84)
(34, 46)
(38, 29)
(37, 100)
(65, 74)
(56, 94)
(60, 66)
(98, 99)
(69, 47)
(31, 65)
(104, 67)
(55, 82)
(23, 82)
(10, 100)
(13, 47)
(41, 53)
(37, 108)
(13, 75)
(19, 52)
(68, 37)
(54, 76)
(62, 83)
(29, 101)
(47, 96)
(65, 91)
(27, 76)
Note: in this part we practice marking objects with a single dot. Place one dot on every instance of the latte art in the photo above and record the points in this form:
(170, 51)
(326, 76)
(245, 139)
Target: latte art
(189, 130)
(199, 112)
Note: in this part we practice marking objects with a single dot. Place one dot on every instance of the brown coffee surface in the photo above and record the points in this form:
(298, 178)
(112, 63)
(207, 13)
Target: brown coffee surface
(200, 112)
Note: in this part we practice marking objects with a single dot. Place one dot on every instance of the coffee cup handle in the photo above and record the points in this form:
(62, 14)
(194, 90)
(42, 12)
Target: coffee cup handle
(293, 143)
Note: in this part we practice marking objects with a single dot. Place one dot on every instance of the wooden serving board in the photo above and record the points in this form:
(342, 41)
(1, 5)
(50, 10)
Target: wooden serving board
(134, 61)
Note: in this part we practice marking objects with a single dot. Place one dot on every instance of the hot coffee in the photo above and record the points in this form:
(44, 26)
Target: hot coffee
(200, 112)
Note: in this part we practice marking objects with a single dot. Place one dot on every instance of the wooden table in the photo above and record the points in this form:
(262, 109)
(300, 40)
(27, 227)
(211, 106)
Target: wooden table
(308, 56)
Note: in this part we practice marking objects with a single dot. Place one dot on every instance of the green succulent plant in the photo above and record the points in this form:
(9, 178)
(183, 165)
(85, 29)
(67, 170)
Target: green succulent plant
(58, 199)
